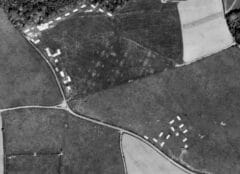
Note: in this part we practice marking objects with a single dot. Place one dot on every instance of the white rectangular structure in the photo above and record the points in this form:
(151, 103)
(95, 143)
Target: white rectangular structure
(204, 29)
(43, 27)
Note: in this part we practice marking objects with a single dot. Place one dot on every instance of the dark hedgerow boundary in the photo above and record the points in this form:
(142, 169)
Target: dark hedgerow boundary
(22, 12)
(233, 21)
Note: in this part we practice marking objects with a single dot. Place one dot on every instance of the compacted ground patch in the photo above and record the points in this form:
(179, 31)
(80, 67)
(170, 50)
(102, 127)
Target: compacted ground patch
(205, 96)
(25, 77)
(53, 140)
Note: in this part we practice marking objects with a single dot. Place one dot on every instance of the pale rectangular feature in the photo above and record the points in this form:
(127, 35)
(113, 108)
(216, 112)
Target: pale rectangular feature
(140, 158)
(204, 29)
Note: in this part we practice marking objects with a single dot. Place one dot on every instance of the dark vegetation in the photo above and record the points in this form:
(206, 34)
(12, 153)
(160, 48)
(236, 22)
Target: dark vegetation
(59, 140)
(110, 5)
(100, 53)
(233, 20)
(22, 12)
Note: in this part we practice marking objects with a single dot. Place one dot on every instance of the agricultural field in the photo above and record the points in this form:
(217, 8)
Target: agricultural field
(22, 164)
(25, 77)
(53, 141)
(141, 158)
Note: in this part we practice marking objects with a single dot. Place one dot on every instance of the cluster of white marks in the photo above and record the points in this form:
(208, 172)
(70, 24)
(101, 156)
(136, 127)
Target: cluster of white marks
(45, 26)
(172, 129)
(31, 36)
(66, 79)
(155, 140)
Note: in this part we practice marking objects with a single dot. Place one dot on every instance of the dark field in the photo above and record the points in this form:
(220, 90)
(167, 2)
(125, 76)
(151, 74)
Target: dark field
(74, 145)
(210, 113)
(25, 78)
(100, 53)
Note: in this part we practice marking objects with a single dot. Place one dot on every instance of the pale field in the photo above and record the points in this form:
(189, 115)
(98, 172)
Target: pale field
(140, 158)
(204, 29)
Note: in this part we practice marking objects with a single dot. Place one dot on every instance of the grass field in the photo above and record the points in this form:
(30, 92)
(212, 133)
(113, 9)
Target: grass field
(142, 159)
(25, 78)
(60, 142)
(210, 113)
(26, 164)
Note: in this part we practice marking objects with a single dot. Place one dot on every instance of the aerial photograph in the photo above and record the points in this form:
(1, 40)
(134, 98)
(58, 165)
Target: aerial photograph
(120, 86)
